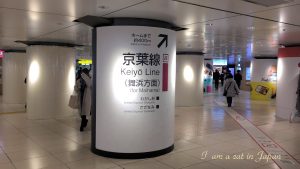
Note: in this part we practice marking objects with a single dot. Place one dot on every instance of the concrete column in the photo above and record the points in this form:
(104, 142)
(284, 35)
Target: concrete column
(14, 74)
(189, 79)
(263, 69)
(245, 84)
(51, 80)
(287, 81)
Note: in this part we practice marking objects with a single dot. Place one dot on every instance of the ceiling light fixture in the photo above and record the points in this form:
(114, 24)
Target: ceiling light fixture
(209, 24)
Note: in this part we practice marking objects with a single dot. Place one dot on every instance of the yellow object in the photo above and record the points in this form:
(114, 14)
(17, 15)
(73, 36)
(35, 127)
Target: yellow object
(84, 61)
(262, 90)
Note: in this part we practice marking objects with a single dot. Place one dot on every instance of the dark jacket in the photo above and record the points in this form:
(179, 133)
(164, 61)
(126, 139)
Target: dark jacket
(216, 75)
(238, 77)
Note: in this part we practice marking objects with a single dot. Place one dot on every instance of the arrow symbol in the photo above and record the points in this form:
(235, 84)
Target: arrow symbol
(165, 39)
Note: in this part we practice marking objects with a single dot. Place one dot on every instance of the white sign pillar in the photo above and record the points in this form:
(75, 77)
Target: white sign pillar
(134, 87)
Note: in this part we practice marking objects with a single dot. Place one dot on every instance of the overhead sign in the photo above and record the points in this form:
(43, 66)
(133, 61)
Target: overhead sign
(85, 61)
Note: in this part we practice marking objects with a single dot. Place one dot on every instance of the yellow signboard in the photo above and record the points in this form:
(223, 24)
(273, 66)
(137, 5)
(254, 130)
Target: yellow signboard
(84, 61)
(262, 90)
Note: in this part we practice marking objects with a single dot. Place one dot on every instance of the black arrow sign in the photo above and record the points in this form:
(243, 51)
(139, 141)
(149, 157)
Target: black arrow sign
(165, 39)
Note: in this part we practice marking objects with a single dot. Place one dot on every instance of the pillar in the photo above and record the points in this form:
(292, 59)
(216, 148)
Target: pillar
(208, 75)
(134, 87)
(14, 73)
(50, 81)
(287, 81)
(262, 69)
(189, 79)
(263, 78)
(245, 83)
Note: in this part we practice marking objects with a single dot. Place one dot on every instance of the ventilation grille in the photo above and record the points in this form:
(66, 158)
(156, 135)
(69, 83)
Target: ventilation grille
(268, 3)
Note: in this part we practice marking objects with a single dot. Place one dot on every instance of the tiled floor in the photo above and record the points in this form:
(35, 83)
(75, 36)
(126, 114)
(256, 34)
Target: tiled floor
(205, 137)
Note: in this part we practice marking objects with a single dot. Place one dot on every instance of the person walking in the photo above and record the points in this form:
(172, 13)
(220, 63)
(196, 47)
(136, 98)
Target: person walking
(83, 88)
(238, 78)
(222, 77)
(230, 89)
(216, 77)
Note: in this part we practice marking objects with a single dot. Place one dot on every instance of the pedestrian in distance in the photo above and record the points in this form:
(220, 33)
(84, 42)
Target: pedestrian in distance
(238, 78)
(83, 88)
(230, 89)
(216, 77)
(222, 77)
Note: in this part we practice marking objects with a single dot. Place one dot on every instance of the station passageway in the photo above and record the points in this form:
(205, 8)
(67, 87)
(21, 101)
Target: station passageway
(209, 137)
(90, 84)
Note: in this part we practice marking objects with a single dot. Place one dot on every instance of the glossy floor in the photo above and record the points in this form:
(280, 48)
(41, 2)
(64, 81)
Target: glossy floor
(200, 131)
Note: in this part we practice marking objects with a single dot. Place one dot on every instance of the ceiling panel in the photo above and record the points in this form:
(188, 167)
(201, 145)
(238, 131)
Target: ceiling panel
(171, 11)
(286, 14)
(212, 30)
(78, 34)
(51, 20)
(233, 34)
(238, 5)
(23, 25)
(73, 8)
(8, 43)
